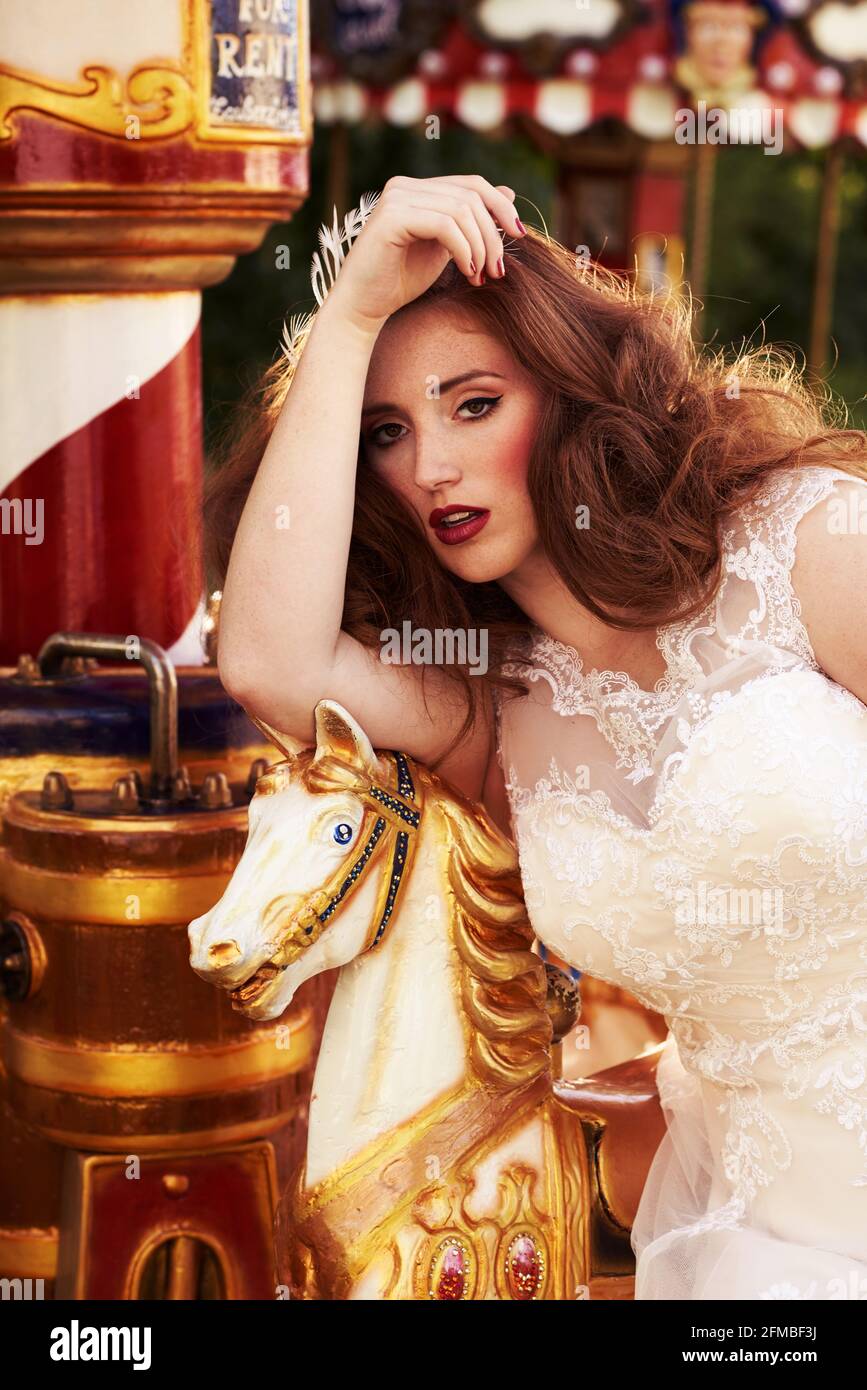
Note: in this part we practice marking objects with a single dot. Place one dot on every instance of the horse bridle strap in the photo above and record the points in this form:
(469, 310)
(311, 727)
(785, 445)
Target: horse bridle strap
(391, 820)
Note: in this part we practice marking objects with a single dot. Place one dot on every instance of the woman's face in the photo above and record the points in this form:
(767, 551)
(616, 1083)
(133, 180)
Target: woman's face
(448, 422)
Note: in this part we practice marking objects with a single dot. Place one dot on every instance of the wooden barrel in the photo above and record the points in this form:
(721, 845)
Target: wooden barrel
(118, 1046)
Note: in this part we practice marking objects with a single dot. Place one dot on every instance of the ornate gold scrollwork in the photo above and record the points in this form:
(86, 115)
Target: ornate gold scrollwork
(157, 102)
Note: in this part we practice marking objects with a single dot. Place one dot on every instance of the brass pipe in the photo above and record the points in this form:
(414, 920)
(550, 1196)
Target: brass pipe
(162, 687)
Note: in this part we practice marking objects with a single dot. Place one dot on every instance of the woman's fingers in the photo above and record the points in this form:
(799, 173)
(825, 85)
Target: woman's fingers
(490, 232)
(475, 222)
(498, 200)
(399, 195)
(429, 224)
(460, 194)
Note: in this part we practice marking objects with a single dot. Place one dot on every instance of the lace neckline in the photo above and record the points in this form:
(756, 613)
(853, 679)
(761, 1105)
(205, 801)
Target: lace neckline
(770, 547)
(758, 545)
(629, 716)
(570, 664)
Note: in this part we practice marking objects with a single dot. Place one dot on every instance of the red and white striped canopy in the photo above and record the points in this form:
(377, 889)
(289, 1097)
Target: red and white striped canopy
(605, 59)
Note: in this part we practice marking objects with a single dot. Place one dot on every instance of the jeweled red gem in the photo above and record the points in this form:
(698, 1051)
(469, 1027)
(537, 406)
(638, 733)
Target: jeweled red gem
(452, 1278)
(524, 1268)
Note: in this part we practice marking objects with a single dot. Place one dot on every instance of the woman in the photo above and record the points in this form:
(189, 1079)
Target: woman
(667, 559)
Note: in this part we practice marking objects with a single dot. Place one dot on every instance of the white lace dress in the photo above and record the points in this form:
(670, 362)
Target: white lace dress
(704, 845)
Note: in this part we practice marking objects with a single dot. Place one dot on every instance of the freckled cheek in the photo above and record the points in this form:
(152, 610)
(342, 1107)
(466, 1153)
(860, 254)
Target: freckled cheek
(511, 452)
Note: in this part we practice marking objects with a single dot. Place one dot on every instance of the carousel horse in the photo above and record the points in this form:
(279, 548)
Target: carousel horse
(444, 1160)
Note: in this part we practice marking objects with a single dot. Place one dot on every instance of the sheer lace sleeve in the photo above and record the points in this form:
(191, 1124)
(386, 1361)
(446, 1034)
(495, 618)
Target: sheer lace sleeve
(760, 549)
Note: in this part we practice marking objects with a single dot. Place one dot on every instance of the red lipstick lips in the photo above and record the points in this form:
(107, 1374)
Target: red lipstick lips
(457, 523)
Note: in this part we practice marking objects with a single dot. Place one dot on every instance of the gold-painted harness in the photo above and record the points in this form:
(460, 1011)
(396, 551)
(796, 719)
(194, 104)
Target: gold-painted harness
(391, 820)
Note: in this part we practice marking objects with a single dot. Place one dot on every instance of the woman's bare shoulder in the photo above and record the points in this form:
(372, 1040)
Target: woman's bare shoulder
(829, 578)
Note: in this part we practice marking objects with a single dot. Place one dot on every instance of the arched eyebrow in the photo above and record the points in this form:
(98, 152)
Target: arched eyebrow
(444, 386)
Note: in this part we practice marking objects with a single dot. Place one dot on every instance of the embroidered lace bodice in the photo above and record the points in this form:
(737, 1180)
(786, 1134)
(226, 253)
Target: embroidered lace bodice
(704, 845)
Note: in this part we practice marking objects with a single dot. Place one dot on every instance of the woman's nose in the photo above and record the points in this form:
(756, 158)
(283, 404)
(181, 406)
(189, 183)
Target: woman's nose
(434, 469)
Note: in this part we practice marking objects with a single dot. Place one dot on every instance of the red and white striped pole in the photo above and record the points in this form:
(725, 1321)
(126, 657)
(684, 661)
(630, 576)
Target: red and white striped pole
(142, 147)
(100, 398)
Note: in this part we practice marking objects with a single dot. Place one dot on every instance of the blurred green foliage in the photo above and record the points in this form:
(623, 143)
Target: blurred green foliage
(760, 269)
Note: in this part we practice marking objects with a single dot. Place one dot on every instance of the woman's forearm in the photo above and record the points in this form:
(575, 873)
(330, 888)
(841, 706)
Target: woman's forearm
(284, 590)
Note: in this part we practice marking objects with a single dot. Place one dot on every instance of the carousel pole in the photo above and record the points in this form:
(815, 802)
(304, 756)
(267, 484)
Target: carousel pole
(702, 222)
(827, 242)
(136, 163)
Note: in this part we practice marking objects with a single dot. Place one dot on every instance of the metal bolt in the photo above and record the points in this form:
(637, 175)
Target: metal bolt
(216, 793)
(181, 787)
(126, 793)
(56, 795)
(257, 767)
(15, 964)
(28, 668)
(72, 666)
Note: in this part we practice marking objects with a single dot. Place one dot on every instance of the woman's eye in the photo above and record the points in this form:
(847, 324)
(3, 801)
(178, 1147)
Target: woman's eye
(384, 443)
(342, 833)
(487, 403)
(481, 401)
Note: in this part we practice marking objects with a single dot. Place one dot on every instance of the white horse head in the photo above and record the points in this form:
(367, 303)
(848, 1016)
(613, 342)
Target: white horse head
(314, 868)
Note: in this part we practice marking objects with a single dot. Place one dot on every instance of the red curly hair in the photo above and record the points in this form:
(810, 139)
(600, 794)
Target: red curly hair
(656, 437)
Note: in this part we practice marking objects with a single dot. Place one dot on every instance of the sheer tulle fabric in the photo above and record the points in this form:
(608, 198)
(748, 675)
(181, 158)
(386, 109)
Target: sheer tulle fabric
(704, 845)
(677, 1257)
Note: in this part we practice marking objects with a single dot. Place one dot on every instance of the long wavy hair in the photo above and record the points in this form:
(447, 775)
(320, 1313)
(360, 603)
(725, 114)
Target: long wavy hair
(657, 437)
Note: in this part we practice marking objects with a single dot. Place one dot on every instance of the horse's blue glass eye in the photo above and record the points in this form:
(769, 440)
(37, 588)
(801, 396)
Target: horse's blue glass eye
(343, 833)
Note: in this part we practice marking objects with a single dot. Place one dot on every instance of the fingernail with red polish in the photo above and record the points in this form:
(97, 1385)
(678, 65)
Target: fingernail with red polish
(501, 269)
(521, 228)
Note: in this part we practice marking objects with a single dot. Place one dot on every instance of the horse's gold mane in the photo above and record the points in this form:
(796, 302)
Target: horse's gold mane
(503, 982)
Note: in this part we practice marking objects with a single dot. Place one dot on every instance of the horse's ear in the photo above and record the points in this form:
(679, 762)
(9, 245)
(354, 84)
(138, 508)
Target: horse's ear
(337, 732)
(285, 742)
